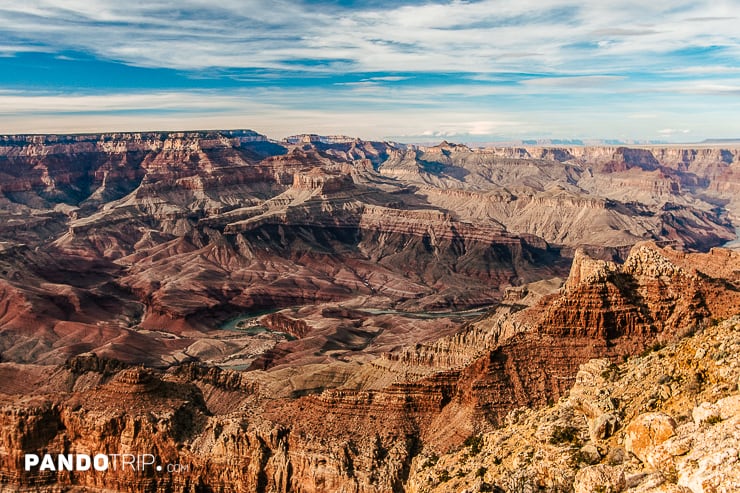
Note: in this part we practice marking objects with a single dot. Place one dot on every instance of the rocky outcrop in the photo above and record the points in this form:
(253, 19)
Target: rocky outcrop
(602, 477)
(281, 323)
(660, 448)
(90, 362)
(646, 432)
(636, 301)
(316, 179)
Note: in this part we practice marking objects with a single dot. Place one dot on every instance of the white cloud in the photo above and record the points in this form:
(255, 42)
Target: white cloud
(585, 81)
(732, 89)
(388, 78)
(277, 114)
(484, 36)
(16, 103)
(666, 132)
(562, 50)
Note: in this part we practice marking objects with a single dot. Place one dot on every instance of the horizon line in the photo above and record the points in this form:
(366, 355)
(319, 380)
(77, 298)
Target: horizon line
(526, 142)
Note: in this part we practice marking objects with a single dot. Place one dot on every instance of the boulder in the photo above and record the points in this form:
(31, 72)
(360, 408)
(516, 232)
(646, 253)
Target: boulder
(603, 426)
(590, 454)
(646, 432)
(729, 406)
(705, 412)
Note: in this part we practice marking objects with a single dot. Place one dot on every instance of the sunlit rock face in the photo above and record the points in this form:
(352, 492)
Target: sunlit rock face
(674, 414)
(321, 315)
(366, 425)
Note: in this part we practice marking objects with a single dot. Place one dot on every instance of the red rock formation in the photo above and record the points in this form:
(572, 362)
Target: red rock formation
(138, 246)
(280, 323)
(348, 437)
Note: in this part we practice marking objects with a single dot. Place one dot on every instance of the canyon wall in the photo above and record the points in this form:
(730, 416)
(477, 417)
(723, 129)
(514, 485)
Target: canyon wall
(321, 315)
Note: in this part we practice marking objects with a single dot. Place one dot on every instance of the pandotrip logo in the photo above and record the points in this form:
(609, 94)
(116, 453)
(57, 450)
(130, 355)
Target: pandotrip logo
(99, 462)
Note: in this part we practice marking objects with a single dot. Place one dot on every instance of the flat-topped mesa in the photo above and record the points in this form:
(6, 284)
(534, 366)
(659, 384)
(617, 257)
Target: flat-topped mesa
(434, 224)
(625, 158)
(571, 200)
(91, 362)
(42, 145)
(136, 381)
(323, 180)
(304, 157)
(319, 139)
(446, 146)
(676, 157)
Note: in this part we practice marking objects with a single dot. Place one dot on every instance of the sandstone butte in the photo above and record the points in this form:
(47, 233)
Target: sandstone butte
(331, 314)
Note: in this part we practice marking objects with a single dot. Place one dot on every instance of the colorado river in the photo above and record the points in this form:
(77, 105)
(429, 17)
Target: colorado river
(734, 244)
(237, 323)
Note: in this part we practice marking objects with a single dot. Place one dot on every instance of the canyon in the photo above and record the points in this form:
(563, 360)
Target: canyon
(331, 314)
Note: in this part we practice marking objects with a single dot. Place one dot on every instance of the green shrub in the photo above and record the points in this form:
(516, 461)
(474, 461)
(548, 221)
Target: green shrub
(713, 420)
(564, 434)
(430, 461)
(475, 442)
(651, 349)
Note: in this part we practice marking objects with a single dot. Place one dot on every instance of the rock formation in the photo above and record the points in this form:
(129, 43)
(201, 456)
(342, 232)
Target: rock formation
(676, 415)
(339, 426)
(329, 314)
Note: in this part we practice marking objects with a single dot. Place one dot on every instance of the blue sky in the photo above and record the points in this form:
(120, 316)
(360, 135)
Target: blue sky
(411, 71)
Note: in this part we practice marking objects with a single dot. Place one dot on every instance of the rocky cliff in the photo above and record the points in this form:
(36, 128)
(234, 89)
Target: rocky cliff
(663, 421)
(228, 431)
(320, 315)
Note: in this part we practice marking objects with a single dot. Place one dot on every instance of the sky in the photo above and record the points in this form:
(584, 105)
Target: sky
(409, 71)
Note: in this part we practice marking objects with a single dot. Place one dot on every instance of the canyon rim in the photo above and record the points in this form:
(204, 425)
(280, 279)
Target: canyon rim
(219, 311)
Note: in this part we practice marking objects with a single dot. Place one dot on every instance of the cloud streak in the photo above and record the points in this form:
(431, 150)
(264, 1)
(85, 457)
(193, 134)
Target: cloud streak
(528, 63)
(457, 36)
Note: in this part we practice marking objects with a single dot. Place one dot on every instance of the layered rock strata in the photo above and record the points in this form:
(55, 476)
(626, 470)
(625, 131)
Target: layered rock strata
(664, 421)
(321, 315)
(232, 434)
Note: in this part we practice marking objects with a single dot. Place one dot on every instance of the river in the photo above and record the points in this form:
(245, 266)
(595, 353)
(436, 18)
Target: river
(734, 244)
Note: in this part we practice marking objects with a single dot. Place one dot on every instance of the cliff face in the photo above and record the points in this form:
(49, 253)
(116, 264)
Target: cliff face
(316, 316)
(232, 434)
(600, 196)
(665, 421)
(630, 302)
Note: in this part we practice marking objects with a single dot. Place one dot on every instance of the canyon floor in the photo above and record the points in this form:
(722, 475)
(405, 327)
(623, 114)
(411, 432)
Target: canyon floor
(343, 315)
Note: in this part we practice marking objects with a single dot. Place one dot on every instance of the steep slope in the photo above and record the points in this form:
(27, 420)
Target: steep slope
(230, 432)
(665, 421)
